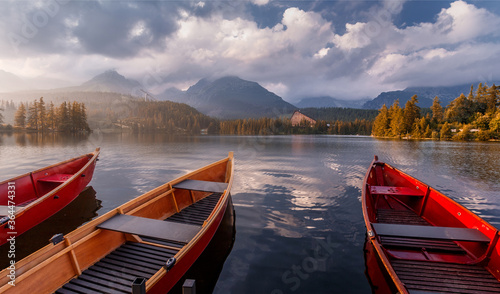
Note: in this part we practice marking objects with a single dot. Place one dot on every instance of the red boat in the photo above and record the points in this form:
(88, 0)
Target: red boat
(29, 199)
(426, 242)
(144, 245)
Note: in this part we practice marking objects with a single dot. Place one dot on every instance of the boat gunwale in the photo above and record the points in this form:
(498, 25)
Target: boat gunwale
(373, 238)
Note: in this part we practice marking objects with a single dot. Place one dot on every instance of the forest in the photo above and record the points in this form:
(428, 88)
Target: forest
(472, 117)
(69, 117)
(172, 117)
(146, 116)
(167, 117)
(283, 126)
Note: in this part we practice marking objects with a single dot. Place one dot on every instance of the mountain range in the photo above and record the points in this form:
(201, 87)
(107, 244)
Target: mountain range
(228, 97)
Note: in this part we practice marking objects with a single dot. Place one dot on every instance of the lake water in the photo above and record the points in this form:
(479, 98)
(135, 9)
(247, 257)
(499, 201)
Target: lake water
(299, 225)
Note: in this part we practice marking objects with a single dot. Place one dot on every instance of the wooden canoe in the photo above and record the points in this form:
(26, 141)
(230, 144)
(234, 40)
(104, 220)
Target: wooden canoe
(145, 244)
(427, 242)
(29, 199)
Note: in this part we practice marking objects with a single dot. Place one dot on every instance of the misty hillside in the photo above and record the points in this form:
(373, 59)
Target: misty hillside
(328, 101)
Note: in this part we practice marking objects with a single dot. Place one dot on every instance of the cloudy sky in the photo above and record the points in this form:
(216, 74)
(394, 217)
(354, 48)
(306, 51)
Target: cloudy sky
(345, 49)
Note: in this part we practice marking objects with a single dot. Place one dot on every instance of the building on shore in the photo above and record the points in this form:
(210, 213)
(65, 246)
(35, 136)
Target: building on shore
(298, 117)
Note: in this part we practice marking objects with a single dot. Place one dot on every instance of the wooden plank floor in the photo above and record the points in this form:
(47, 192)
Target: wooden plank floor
(433, 277)
(445, 277)
(196, 214)
(116, 272)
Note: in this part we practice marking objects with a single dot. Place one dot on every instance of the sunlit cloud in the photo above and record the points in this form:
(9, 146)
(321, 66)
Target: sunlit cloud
(295, 49)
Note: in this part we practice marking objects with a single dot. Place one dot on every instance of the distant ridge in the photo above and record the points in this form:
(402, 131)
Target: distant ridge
(10, 82)
(328, 101)
(425, 95)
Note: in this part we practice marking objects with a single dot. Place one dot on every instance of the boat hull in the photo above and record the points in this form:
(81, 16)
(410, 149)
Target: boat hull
(45, 197)
(413, 227)
(156, 237)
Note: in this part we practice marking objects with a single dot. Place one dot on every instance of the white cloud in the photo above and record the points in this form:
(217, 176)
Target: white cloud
(461, 22)
(354, 37)
(321, 53)
(261, 2)
(301, 55)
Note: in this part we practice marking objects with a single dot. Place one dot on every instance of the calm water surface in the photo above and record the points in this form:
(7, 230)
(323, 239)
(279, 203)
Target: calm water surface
(299, 225)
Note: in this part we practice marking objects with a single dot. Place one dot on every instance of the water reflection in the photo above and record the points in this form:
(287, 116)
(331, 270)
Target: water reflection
(45, 139)
(82, 209)
(289, 192)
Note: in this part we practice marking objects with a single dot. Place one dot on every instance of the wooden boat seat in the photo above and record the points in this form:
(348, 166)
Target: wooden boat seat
(158, 229)
(430, 232)
(56, 178)
(395, 191)
(204, 186)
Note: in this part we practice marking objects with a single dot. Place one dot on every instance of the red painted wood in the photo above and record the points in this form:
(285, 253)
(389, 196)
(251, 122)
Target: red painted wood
(383, 183)
(53, 195)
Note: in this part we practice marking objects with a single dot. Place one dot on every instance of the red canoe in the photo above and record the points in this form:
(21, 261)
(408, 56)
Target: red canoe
(29, 199)
(427, 243)
(144, 245)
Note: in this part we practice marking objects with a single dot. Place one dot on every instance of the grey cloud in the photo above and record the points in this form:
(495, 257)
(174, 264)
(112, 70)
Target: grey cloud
(90, 27)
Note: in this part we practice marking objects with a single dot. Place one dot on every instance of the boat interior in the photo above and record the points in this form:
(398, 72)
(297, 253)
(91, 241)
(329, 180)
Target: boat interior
(433, 245)
(141, 238)
(149, 246)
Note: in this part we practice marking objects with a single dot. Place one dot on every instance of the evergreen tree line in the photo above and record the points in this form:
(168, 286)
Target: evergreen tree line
(283, 126)
(172, 117)
(37, 116)
(472, 117)
(167, 117)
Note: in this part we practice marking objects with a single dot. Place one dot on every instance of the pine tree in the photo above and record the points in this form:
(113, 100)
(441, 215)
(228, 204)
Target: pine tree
(63, 118)
(51, 117)
(437, 110)
(42, 118)
(20, 116)
(492, 99)
(459, 110)
(381, 124)
(411, 114)
(396, 119)
(32, 120)
(479, 103)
